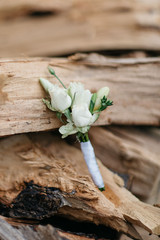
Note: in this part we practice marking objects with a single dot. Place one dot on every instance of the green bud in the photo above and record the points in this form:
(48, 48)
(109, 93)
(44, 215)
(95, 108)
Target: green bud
(54, 74)
(102, 92)
(51, 70)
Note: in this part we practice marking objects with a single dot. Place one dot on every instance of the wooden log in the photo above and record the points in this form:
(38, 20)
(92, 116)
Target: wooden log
(76, 196)
(134, 152)
(77, 25)
(134, 88)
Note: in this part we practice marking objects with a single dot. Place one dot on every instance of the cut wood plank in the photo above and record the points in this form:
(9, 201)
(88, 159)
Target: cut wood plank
(79, 25)
(134, 88)
(34, 160)
(134, 152)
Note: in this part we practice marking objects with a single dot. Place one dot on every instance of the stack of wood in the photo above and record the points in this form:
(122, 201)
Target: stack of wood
(46, 191)
(43, 176)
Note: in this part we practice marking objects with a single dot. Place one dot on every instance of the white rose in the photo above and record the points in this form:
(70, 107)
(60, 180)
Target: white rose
(74, 88)
(100, 94)
(46, 84)
(81, 116)
(60, 100)
(83, 97)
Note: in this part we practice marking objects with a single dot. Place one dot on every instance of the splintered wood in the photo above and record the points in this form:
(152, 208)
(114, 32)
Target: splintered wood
(134, 88)
(51, 163)
(63, 27)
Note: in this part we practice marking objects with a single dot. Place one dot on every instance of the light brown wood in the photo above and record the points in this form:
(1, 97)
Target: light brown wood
(77, 25)
(134, 88)
(50, 162)
(144, 236)
(134, 152)
(70, 236)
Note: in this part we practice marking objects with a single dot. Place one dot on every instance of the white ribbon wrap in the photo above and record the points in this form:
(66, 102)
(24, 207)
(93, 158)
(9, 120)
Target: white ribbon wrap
(90, 159)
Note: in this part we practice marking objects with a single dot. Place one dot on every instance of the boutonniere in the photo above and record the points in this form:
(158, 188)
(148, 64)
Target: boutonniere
(81, 109)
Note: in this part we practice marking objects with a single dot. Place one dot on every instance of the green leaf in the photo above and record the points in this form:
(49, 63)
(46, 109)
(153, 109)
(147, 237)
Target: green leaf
(59, 116)
(92, 102)
(48, 104)
(104, 104)
(68, 114)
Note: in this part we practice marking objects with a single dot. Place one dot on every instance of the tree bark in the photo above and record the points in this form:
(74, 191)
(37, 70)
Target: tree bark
(61, 185)
(134, 88)
(72, 26)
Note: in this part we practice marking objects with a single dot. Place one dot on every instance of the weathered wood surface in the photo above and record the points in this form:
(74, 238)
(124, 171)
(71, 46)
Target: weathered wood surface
(50, 162)
(7, 232)
(134, 88)
(20, 229)
(144, 236)
(54, 228)
(134, 152)
(79, 25)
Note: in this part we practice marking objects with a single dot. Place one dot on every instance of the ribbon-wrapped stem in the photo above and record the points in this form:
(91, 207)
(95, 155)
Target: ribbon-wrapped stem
(90, 159)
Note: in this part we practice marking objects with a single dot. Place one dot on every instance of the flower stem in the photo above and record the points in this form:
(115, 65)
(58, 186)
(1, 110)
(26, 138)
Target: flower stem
(54, 74)
(82, 137)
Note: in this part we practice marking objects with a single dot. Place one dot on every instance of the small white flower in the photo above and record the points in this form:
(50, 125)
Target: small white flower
(60, 100)
(82, 98)
(100, 94)
(81, 115)
(46, 84)
(74, 88)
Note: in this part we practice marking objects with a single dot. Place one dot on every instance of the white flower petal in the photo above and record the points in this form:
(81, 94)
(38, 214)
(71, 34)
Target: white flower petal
(67, 129)
(83, 98)
(94, 118)
(46, 84)
(60, 100)
(81, 115)
(83, 129)
(75, 87)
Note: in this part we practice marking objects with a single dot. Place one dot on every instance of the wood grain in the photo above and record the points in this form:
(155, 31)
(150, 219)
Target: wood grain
(7, 232)
(77, 25)
(134, 88)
